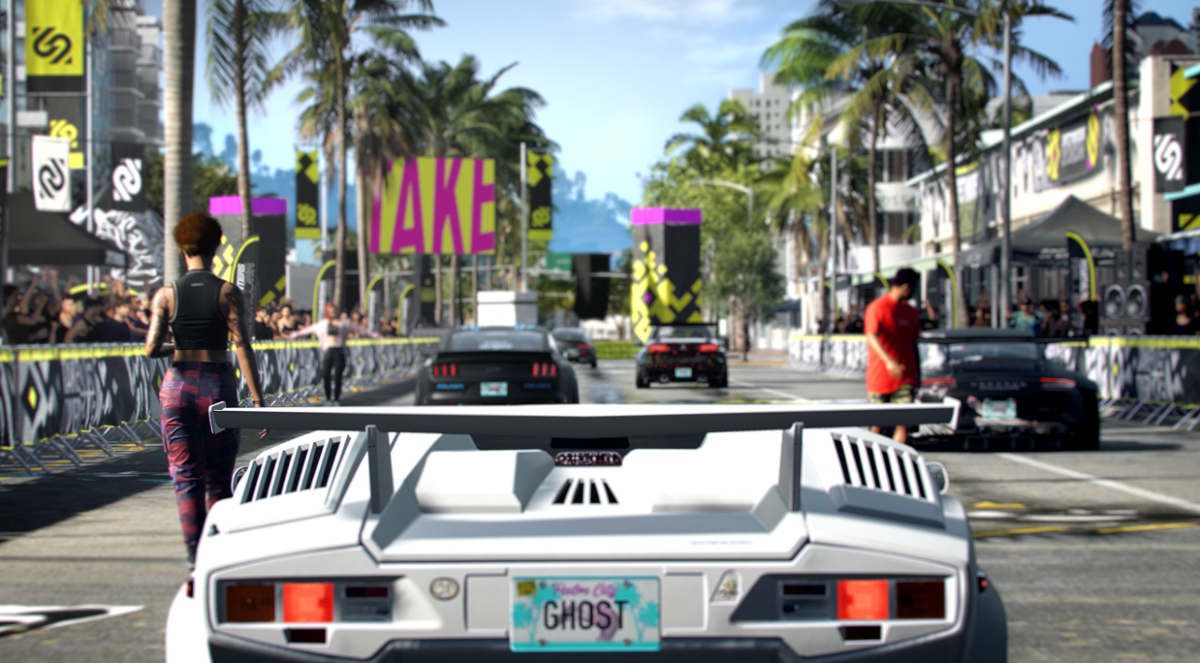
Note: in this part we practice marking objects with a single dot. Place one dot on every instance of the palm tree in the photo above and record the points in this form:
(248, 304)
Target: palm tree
(725, 139)
(1119, 18)
(326, 49)
(825, 56)
(458, 115)
(239, 32)
(179, 44)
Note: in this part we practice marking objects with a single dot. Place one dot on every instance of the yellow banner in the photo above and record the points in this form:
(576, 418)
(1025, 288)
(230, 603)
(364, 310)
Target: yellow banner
(435, 205)
(54, 42)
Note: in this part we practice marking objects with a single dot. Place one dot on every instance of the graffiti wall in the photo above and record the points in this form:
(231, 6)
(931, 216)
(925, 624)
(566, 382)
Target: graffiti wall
(61, 390)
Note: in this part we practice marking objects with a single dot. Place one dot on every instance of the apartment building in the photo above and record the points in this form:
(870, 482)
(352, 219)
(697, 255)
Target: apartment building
(768, 107)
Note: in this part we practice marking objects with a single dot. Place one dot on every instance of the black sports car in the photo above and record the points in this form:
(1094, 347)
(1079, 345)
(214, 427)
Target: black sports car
(497, 366)
(682, 353)
(575, 345)
(1009, 394)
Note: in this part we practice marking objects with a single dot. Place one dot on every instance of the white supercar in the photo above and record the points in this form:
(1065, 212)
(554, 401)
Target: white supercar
(542, 533)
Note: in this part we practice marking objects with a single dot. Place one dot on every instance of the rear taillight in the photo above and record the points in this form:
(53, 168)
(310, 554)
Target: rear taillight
(658, 348)
(545, 370)
(939, 384)
(310, 602)
(250, 603)
(863, 599)
(710, 347)
(445, 370)
(1057, 384)
(585, 346)
(920, 599)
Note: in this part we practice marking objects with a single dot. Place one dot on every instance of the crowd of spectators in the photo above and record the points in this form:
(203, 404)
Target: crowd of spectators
(44, 311)
(1053, 318)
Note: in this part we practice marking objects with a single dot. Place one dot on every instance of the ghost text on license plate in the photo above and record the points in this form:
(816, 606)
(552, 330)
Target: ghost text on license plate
(584, 614)
(493, 389)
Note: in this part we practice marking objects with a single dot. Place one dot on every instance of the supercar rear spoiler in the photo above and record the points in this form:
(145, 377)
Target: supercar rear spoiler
(580, 422)
(619, 428)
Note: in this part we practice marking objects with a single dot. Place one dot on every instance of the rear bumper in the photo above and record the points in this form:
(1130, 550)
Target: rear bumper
(681, 650)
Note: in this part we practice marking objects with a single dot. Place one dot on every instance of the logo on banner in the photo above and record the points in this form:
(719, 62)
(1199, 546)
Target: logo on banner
(51, 174)
(52, 45)
(127, 180)
(1168, 157)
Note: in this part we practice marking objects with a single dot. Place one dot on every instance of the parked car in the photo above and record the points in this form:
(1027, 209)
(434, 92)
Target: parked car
(605, 532)
(682, 353)
(496, 366)
(1008, 393)
(575, 345)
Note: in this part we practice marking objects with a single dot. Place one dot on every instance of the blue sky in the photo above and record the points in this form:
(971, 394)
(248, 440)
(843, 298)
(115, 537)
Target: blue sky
(616, 74)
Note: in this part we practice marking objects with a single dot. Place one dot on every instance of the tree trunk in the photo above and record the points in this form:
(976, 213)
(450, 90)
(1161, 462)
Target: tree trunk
(364, 228)
(339, 250)
(952, 82)
(871, 179)
(822, 289)
(454, 294)
(475, 288)
(1125, 193)
(437, 289)
(179, 43)
(239, 74)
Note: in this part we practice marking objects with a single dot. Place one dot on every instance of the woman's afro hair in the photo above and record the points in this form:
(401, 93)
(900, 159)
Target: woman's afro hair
(198, 234)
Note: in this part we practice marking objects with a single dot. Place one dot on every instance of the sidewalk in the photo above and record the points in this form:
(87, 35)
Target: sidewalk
(758, 357)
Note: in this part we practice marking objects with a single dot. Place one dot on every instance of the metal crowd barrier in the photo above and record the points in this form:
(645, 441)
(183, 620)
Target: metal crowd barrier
(1151, 379)
(75, 401)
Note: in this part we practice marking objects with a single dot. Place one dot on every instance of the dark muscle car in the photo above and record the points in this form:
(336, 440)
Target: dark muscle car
(682, 353)
(497, 366)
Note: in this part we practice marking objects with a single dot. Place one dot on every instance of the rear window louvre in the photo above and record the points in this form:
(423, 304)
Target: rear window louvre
(293, 470)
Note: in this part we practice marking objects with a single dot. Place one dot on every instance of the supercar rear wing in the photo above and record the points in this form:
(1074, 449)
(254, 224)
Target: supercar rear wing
(620, 428)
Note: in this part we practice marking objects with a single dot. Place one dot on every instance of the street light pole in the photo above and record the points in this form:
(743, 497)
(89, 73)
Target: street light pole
(524, 226)
(833, 193)
(1006, 254)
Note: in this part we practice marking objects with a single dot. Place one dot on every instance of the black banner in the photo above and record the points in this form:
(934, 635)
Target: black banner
(666, 276)
(128, 182)
(308, 176)
(1170, 170)
(591, 292)
(540, 168)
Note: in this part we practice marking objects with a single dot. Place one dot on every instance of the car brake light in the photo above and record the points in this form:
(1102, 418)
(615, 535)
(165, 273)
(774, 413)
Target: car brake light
(445, 370)
(940, 383)
(553, 370)
(544, 370)
(659, 348)
(1058, 384)
(250, 603)
(585, 346)
(920, 599)
(710, 347)
(307, 602)
(862, 599)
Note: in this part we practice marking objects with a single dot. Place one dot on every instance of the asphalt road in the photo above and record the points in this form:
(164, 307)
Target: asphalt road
(1095, 553)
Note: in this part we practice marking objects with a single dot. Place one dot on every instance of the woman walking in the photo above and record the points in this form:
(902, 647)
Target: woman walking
(204, 313)
(332, 332)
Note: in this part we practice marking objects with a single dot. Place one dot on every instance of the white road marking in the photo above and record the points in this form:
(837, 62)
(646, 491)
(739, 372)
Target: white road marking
(1107, 483)
(29, 617)
(781, 394)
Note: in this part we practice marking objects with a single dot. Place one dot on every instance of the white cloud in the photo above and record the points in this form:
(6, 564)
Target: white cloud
(688, 12)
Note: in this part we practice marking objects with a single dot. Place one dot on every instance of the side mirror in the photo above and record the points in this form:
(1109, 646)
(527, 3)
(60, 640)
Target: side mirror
(941, 478)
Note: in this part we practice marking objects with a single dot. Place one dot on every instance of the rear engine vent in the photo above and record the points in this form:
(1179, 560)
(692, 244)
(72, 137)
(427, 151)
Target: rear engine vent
(585, 491)
(868, 464)
(302, 468)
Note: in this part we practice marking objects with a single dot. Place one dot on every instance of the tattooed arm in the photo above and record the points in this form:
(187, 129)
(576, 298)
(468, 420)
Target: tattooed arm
(239, 330)
(160, 314)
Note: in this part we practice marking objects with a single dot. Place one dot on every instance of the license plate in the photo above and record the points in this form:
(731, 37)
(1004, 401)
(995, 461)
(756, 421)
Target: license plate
(585, 614)
(1000, 409)
(684, 372)
(493, 389)
(571, 354)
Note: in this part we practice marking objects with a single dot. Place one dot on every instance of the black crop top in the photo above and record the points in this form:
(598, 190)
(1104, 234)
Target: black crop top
(197, 323)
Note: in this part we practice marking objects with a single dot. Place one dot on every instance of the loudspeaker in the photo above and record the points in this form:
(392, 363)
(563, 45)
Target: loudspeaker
(1125, 303)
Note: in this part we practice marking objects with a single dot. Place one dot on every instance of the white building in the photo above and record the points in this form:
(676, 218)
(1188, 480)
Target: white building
(768, 106)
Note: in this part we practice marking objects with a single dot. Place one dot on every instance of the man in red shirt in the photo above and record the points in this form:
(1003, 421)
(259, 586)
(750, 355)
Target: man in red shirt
(892, 327)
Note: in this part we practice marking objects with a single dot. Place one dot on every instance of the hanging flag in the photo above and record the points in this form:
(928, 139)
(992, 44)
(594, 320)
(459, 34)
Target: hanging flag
(128, 191)
(308, 174)
(68, 119)
(51, 174)
(540, 171)
(54, 52)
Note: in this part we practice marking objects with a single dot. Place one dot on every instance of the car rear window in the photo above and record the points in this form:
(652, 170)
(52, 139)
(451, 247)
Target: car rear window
(682, 331)
(943, 357)
(497, 340)
(570, 336)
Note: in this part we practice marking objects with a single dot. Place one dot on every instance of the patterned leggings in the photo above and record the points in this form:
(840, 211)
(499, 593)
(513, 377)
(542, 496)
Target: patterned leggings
(201, 461)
